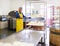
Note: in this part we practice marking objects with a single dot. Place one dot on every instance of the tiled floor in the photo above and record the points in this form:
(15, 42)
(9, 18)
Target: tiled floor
(5, 33)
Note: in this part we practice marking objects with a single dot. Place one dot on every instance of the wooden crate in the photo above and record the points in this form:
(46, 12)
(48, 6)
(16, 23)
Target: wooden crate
(55, 38)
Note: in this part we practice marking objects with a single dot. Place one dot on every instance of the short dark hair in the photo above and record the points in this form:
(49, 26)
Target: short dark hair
(20, 7)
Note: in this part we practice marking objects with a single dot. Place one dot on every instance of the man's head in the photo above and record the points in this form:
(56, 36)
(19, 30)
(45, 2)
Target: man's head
(20, 9)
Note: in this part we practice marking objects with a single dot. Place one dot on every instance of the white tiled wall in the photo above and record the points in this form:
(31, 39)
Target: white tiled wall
(4, 7)
(8, 5)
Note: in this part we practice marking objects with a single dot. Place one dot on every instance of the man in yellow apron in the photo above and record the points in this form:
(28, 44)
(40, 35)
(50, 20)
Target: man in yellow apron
(19, 20)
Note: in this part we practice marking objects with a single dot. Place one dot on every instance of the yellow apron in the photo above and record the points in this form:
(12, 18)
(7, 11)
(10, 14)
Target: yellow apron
(19, 23)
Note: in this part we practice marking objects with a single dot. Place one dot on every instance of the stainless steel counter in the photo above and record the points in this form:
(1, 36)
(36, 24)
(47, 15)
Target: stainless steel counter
(27, 36)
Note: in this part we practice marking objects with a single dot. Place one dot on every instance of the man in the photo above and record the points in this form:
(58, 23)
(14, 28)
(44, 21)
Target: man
(19, 20)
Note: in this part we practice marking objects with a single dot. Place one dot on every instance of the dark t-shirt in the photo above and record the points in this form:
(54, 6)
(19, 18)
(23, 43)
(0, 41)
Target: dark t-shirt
(17, 15)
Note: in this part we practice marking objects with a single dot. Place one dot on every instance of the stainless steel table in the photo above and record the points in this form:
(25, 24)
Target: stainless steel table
(26, 35)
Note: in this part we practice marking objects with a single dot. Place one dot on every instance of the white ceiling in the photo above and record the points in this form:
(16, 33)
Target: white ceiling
(54, 2)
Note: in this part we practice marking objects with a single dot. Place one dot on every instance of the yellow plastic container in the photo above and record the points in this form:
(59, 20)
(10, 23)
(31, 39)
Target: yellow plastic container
(19, 24)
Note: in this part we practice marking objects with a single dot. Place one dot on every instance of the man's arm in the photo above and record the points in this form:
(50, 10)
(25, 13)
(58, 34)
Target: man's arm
(17, 14)
(26, 17)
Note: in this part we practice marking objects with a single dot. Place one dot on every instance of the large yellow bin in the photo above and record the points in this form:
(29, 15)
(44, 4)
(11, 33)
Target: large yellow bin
(19, 24)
